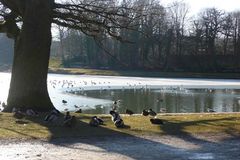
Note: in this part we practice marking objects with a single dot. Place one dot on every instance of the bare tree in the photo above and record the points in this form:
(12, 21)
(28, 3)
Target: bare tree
(212, 20)
(32, 36)
(178, 15)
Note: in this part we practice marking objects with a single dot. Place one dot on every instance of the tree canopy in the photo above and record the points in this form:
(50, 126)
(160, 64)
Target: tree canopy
(89, 16)
(29, 24)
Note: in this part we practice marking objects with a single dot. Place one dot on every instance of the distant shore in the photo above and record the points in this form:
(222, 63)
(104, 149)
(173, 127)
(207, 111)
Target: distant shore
(135, 73)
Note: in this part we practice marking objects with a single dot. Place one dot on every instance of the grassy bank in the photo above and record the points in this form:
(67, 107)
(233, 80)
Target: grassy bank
(178, 124)
(55, 66)
(82, 71)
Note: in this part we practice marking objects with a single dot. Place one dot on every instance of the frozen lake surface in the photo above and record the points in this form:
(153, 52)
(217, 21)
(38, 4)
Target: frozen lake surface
(95, 94)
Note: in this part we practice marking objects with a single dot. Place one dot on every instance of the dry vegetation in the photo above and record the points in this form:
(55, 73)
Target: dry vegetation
(174, 124)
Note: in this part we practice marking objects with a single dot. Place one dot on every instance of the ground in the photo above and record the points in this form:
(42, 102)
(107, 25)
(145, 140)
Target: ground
(214, 136)
(213, 147)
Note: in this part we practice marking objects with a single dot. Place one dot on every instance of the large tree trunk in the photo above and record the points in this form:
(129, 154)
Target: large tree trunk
(28, 88)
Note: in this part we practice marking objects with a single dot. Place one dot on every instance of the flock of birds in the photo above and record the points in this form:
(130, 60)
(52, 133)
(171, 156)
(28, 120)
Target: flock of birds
(76, 87)
(70, 121)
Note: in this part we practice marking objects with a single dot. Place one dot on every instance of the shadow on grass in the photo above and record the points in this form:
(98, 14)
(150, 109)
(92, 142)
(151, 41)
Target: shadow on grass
(178, 129)
(117, 141)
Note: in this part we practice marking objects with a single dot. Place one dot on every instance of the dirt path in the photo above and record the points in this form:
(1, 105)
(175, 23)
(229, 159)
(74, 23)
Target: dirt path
(202, 147)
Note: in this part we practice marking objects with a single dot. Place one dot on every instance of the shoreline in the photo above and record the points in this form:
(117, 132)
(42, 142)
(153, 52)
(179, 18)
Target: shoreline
(155, 74)
(137, 73)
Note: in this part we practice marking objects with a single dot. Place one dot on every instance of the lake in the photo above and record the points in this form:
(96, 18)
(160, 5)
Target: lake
(95, 94)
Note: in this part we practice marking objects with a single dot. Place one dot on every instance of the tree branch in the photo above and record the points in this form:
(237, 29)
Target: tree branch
(16, 6)
(96, 17)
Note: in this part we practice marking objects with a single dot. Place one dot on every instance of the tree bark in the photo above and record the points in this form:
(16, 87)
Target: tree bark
(28, 87)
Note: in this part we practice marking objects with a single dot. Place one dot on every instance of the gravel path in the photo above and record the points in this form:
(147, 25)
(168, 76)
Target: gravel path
(125, 148)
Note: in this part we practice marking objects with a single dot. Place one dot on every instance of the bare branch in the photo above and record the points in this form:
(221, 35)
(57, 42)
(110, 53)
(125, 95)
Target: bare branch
(96, 17)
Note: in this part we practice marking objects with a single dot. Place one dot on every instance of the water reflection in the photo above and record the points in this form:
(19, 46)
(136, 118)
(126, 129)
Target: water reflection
(95, 94)
(171, 101)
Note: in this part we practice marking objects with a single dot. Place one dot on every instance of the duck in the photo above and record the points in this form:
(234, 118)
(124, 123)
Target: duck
(95, 121)
(115, 105)
(64, 101)
(78, 111)
(119, 123)
(163, 110)
(152, 113)
(117, 120)
(145, 112)
(159, 100)
(114, 102)
(114, 115)
(76, 106)
(4, 105)
(31, 112)
(128, 111)
(210, 110)
(67, 116)
(18, 115)
(156, 121)
(100, 121)
(53, 116)
(70, 122)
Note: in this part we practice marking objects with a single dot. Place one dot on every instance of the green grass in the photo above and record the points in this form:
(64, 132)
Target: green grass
(36, 128)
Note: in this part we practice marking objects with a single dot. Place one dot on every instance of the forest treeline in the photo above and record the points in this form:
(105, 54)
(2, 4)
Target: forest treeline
(164, 38)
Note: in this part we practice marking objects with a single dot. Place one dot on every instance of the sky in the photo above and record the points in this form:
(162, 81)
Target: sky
(197, 5)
